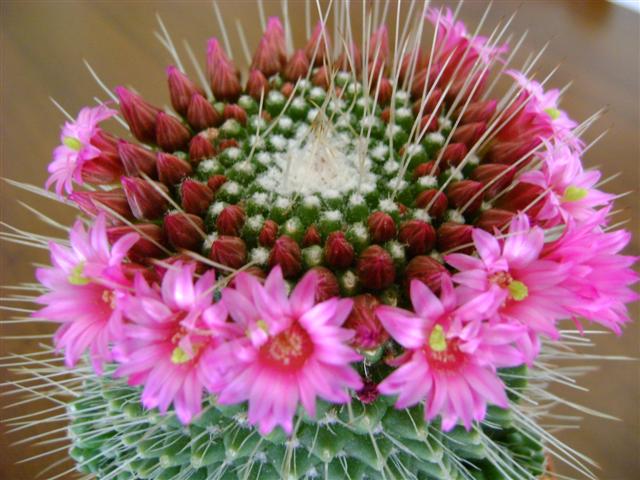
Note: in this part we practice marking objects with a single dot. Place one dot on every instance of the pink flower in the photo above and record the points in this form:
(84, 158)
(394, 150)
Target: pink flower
(527, 290)
(172, 330)
(76, 148)
(599, 277)
(294, 349)
(541, 113)
(451, 357)
(86, 283)
(572, 192)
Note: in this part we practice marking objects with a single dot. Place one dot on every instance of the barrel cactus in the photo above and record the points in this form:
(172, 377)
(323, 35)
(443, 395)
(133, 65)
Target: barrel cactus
(352, 260)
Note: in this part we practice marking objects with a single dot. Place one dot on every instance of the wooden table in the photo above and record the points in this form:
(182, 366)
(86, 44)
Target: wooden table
(42, 47)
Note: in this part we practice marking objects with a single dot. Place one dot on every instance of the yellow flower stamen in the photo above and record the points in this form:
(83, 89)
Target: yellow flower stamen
(72, 143)
(76, 277)
(554, 113)
(437, 339)
(574, 194)
(179, 356)
(518, 290)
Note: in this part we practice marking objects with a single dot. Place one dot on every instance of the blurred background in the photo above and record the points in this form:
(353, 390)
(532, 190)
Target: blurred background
(42, 47)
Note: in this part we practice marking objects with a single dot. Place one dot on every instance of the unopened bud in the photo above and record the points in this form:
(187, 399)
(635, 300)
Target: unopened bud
(200, 148)
(195, 196)
(287, 254)
(433, 199)
(184, 230)
(113, 203)
(469, 134)
(230, 220)
(338, 252)
(148, 246)
(419, 237)
(369, 332)
(453, 154)
(493, 219)
(229, 251)
(137, 161)
(375, 268)
(146, 199)
(268, 233)
(465, 194)
(201, 114)
(171, 169)
(181, 89)
(382, 227)
(427, 270)
(235, 112)
(479, 111)
(139, 115)
(455, 236)
(171, 134)
(494, 176)
(328, 286)
(311, 237)
(257, 85)
(223, 76)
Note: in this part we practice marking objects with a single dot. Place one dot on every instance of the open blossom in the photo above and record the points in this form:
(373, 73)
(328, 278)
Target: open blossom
(76, 148)
(599, 277)
(86, 283)
(572, 191)
(294, 349)
(171, 330)
(451, 355)
(541, 113)
(527, 289)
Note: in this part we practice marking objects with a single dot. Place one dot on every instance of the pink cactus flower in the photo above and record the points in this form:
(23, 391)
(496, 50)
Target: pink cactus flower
(572, 191)
(599, 276)
(528, 290)
(294, 349)
(452, 355)
(171, 331)
(86, 283)
(76, 148)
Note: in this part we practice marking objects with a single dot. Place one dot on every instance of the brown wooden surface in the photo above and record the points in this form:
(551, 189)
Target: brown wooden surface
(42, 47)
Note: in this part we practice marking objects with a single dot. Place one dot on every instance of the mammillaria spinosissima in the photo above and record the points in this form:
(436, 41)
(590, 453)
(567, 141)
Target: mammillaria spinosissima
(341, 264)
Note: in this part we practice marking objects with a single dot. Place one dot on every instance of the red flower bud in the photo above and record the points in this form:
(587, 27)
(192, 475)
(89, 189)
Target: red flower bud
(215, 182)
(132, 270)
(257, 84)
(382, 228)
(102, 170)
(171, 169)
(201, 114)
(287, 254)
(430, 105)
(455, 236)
(184, 230)
(384, 89)
(509, 153)
(171, 135)
(469, 134)
(137, 161)
(438, 206)
(317, 48)
(523, 197)
(223, 77)
(412, 62)
(338, 252)
(368, 393)
(494, 218)
(327, 284)
(148, 246)
(183, 258)
(464, 191)
(494, 176)
(321, 78)
(106, 143)
(112, 203)
(181, 89)
(200, 148)
(375, 268)
(230, 220)
(369, 332)
(427, 270)
(195, 196)
(418, 235)
(479, 111)
(297, 67)
(145, 198)
(139, 115)
(267, 56)
(235, 112)
(453, 154)
(418, 89)
(268, 234)
(287, 89)
(379, 43)
(311, 237)
(427, 168)
(228, 143)
(385, 116)
(229, 251)
(428, 124)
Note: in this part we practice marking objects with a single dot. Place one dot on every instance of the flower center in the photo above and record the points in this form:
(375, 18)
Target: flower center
(554, 113)
(288, 350)
(574, 194)
(518, 291)
(72, 143)
(180, 355)
(109, 298)
(443, 354)
(76, 277)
